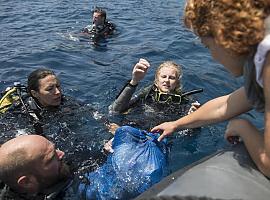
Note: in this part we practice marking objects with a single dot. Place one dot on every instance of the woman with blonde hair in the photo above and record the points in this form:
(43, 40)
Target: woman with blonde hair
(162, 98)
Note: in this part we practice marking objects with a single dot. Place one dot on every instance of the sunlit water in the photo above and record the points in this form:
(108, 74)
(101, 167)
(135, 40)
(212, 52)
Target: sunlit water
(46, 33)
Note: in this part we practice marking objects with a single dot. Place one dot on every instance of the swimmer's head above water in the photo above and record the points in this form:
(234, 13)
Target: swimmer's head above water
(99, 17)
(167, 77)
(30, 164)
(44, 87)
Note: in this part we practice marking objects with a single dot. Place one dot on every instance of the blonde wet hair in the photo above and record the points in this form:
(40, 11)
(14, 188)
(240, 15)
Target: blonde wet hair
(173, 65)
(236, 25)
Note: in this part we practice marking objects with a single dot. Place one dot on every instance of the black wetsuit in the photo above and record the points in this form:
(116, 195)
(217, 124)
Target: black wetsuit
(69, 126)
(100, 31)
(67, 190)
(143, 111)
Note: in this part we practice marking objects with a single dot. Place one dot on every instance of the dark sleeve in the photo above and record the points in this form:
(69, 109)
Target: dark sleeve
(110, 27)
(84, 30)
(123, 100)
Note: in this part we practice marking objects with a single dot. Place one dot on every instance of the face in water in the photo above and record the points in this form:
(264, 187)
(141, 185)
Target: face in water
(167, 79)
(51, 167)
(98, 19)
(49, 93)
(40, 164)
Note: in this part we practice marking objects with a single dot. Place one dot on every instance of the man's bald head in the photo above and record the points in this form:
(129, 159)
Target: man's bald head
(18, 156)
(30, 164)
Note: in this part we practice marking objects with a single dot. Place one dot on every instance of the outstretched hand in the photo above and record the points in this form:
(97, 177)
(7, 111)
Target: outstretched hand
(166, 129)
(139, 71)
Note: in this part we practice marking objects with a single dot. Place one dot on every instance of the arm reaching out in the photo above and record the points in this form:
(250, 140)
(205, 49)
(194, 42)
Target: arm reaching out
(216, 110)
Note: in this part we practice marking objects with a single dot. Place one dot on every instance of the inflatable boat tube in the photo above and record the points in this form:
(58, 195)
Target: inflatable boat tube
(228, 174)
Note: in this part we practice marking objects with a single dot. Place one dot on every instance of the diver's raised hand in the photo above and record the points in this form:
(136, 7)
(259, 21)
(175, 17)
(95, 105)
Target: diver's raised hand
(166, 128)
(139, 71)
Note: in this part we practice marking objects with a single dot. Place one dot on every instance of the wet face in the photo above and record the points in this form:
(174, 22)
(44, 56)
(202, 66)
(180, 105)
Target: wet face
(50, 167)
(41, 165)
(98, 19)
(49, 93)
(232, 62)
(167, 79)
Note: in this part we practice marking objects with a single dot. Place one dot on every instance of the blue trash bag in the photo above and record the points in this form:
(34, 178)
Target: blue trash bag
(138, 162)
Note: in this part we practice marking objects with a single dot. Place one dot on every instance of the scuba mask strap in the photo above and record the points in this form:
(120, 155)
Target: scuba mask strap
(151, 92)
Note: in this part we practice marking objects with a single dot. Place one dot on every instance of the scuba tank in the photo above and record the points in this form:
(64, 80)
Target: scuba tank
(17, 95)
(11, 96)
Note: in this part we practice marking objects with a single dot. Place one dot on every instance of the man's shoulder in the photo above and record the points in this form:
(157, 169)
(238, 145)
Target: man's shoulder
(110, 24)
(7, 194)
(110, 27)
(62, 190)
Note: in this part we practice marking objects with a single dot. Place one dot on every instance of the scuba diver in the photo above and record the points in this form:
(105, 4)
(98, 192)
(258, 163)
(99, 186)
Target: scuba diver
(41, 108)
(32, 168)
(42, 94)
(100, 26)
(160, 101)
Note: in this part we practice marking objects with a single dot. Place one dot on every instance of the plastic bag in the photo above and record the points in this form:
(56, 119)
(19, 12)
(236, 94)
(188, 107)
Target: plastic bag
(138, 162)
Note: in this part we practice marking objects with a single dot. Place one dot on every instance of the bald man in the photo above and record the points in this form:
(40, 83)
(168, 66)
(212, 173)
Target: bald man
(33, 169)
(30, 165)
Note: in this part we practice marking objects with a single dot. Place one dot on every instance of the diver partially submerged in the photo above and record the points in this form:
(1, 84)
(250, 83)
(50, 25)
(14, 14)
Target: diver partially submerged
(160, 101)
(43, 93)
(41, 108)
(31, 168)
(100, 26)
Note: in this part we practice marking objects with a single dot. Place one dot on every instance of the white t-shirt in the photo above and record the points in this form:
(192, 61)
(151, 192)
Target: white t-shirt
(262, 49)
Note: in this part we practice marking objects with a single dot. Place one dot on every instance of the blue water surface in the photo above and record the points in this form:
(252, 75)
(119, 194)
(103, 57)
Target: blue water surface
(37, 33)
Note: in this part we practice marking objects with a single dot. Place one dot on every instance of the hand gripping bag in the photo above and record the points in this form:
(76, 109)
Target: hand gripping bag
(138, 162)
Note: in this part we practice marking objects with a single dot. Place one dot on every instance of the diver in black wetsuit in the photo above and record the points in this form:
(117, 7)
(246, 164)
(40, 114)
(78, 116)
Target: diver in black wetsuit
(42, 94)
(162, 100)
(41, 108)
(100, 26)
